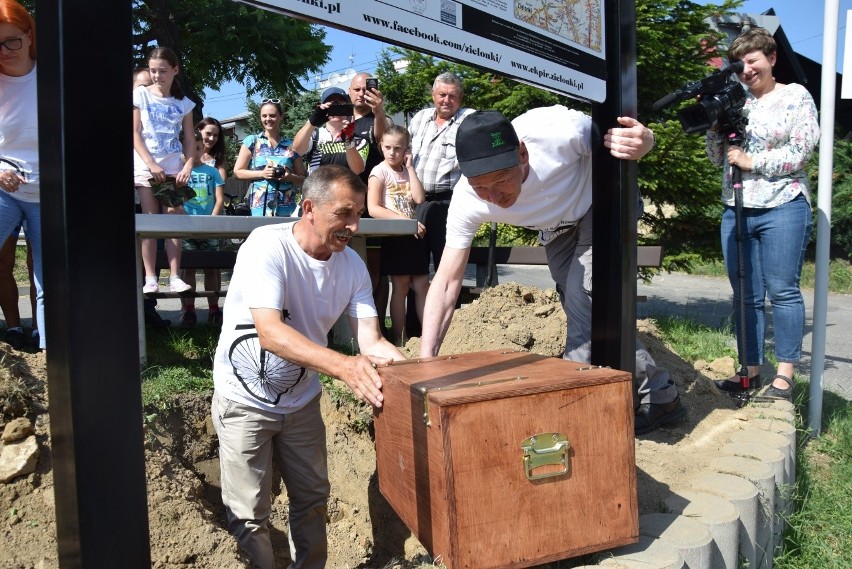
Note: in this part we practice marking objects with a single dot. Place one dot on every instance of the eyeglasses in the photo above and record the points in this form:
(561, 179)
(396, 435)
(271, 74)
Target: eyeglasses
(13, 44)
(273, 101)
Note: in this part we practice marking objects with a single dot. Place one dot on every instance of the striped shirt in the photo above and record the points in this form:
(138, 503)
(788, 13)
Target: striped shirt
(434, 150)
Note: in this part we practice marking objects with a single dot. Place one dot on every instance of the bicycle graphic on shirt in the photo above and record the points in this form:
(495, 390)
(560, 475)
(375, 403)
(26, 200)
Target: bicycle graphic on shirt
(263, 374)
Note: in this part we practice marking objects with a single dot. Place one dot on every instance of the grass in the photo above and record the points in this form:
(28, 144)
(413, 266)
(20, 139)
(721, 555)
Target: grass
(179, 361)
(839, 274)
(820, 534)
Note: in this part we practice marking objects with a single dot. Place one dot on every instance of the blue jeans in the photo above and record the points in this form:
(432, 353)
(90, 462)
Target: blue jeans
(774, 244)
(13, 214)
(569, 257)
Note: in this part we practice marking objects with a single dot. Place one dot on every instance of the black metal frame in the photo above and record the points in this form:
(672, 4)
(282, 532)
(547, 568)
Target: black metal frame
(87, 213)
(615, 189)
(87, 216)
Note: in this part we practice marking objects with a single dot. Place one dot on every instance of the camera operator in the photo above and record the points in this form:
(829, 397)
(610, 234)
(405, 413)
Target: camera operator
(780, 137)
(328, 136)
(269, 161)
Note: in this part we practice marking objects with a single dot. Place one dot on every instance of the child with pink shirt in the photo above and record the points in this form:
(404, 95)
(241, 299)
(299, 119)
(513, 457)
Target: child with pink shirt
(393, 191)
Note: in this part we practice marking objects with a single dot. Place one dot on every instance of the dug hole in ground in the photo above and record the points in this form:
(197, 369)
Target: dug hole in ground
(186, 517)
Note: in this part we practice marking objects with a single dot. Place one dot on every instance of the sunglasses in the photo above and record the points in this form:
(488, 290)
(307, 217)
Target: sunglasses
(13, 44)
(14, 164)
(273, 101)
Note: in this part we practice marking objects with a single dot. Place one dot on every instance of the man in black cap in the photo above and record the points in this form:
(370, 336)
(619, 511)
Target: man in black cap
(536, 172)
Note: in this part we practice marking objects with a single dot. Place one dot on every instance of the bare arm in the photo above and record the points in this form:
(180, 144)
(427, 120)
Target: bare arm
(371, 341)
(358, 372)
(354, 159)
(441, 300)
(188, 141)
(242, 167)
(376, 101)
(417, 190)
(220, 200)
(303, 138)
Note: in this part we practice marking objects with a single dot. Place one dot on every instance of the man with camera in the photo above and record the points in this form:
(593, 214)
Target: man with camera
(328, 136)
(536, 172)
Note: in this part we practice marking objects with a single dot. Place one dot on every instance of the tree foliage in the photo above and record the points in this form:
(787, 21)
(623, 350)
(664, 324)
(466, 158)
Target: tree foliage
(681, 187)
(409, 90)
(221, 40)
(841, 197)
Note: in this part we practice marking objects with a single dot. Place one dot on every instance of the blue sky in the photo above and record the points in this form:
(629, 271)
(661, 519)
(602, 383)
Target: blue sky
(802, 21)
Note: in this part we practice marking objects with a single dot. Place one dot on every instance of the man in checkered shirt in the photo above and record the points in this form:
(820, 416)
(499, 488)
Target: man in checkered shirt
(433, 148)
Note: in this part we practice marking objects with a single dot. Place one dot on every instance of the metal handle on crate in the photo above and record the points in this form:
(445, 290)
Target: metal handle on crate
(546, 449)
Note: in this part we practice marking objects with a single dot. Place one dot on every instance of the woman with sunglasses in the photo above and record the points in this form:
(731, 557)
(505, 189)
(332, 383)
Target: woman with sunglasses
(19, 168)
(275, 171)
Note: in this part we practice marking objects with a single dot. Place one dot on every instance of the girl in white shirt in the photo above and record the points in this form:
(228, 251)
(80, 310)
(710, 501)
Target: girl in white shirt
(160, 112)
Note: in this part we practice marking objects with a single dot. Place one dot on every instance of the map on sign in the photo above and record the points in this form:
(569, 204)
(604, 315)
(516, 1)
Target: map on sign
(578, 21)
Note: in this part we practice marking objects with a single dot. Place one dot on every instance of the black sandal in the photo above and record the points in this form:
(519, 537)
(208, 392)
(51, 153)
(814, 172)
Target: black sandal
(779, 393)
(745, 383)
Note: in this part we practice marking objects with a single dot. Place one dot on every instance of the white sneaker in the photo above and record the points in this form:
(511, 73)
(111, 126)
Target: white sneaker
(177, 285)
(150, 286)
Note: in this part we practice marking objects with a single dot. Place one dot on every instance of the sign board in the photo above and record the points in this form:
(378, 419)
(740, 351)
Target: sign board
(846, 81)
(558, 45)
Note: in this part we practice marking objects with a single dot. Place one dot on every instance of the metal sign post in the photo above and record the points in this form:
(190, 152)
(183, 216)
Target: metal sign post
(85, 151)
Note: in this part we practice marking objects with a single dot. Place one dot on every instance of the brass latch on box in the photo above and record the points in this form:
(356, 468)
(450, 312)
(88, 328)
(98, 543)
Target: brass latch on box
(546, 449)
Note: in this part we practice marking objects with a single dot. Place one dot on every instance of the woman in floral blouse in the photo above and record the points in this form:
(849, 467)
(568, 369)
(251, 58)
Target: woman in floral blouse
(780, 137)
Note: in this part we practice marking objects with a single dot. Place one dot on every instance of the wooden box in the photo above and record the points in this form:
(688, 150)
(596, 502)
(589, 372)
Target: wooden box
(508, 459)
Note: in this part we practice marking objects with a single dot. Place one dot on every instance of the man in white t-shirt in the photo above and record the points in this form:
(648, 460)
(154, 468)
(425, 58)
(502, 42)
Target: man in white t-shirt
(291, 283)
(536, 172)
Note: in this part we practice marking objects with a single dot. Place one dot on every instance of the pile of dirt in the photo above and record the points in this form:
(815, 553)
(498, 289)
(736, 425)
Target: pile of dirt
(185, 512)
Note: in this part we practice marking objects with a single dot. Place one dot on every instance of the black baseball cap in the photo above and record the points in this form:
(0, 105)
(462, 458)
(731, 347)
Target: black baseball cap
(486, 142)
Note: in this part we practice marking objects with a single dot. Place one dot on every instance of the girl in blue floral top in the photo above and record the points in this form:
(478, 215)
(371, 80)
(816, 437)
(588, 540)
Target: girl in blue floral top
(259, 156)
(780, 137)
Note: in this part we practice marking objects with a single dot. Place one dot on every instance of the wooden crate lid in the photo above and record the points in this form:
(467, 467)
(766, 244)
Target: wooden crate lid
(495, 374)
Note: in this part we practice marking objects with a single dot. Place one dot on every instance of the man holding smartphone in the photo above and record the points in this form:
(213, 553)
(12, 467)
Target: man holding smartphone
(370, 123)
(328, 136)
(370, 118)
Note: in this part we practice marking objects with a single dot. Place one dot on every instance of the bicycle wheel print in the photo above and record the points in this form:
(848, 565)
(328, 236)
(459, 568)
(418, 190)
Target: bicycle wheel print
(263, 374)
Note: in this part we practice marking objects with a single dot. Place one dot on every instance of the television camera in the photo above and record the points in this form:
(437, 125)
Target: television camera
(721, 101)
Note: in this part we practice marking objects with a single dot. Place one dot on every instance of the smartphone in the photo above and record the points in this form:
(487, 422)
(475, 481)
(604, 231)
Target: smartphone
(341, 110)
(372, 83)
